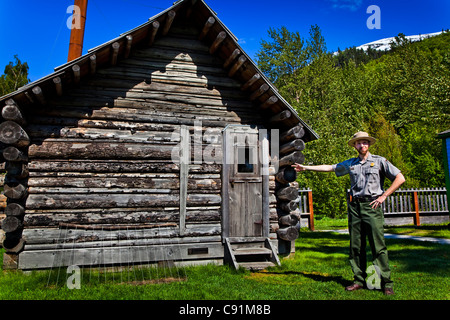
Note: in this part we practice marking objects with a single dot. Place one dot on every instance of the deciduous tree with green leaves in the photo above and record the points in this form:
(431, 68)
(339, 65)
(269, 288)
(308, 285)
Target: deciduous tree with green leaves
(15, 76)
(402, 97)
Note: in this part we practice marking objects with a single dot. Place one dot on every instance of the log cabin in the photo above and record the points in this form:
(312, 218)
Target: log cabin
(164, 144)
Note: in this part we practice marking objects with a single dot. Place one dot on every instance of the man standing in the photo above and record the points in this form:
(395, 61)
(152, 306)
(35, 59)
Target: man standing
(365, 215)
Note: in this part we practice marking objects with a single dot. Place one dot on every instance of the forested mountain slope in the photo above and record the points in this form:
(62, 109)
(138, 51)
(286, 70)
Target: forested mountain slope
(402, 97)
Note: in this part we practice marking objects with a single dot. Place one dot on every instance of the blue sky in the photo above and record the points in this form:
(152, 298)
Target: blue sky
(37, 31)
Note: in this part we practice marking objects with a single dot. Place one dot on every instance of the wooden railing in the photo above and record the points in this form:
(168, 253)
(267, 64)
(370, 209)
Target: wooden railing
(305, 206)
(403, 207)
(416, 206)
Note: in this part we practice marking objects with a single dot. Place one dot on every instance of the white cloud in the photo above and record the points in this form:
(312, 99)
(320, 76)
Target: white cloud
(352, 5)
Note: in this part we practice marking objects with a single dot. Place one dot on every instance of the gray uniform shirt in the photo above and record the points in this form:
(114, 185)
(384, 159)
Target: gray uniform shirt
(366, 177)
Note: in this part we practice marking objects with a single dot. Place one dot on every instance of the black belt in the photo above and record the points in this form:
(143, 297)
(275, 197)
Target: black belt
(364, 199)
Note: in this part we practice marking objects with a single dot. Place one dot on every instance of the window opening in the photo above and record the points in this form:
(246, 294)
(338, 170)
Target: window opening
(245, 164)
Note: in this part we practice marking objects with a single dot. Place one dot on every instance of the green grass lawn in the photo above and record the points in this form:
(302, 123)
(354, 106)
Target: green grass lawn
(318, 270)
(435, 231)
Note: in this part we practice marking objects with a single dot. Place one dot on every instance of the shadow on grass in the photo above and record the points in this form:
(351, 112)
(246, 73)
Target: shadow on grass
(415, 256)
(407, 255)
(316, 276)
(325, 242)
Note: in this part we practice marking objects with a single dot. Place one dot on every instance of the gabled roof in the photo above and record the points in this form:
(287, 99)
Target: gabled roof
(222, 43)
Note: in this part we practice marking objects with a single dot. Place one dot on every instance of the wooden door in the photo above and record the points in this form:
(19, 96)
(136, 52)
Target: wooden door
(245, 205)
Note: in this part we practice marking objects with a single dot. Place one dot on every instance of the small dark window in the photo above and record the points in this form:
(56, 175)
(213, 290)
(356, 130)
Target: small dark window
(244, 163)
(197, 251)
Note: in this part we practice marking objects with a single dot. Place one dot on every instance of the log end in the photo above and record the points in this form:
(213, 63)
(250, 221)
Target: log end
(288, 234)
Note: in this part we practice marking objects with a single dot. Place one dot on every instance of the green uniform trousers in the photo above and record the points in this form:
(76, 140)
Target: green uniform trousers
(364, 221)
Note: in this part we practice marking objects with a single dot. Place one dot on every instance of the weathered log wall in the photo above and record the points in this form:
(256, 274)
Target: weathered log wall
(286, 189)
(96, 153)
(14, 144)
(102, 156)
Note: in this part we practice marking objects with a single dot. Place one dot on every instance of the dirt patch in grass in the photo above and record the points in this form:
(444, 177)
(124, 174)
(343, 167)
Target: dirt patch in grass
(154, 281)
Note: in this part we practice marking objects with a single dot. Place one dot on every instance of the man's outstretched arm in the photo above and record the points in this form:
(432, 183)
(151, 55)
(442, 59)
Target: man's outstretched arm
(319, 168)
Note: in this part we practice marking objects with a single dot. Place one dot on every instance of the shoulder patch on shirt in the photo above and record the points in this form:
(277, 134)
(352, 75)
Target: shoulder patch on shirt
(378, 157)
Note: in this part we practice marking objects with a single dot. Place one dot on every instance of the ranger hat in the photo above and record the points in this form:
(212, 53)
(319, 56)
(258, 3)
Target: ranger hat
(361, 136)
